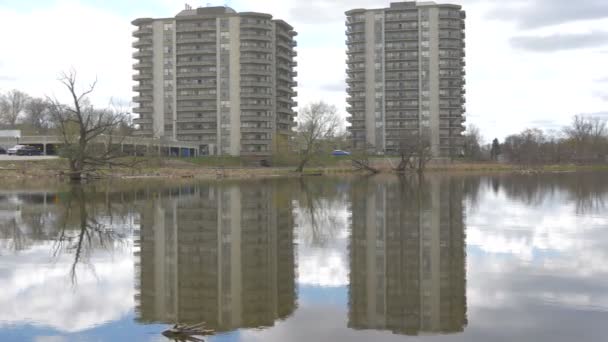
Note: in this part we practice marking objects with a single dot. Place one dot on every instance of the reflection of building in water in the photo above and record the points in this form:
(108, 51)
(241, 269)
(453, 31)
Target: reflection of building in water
(408, 257)
(220, 254)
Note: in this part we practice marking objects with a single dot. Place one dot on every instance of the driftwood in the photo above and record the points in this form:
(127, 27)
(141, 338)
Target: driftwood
(188, 333)
(364, 164)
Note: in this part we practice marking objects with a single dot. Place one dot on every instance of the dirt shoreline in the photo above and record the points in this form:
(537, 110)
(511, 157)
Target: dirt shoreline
(179, 169)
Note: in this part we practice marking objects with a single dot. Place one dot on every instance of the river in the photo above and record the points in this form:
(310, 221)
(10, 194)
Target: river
(500, 257)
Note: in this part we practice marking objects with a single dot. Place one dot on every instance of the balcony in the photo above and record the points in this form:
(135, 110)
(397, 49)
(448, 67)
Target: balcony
(255, 129)
(263, 72)
(208, 85)
(254, 60)
(255, 48)
(192, 28)
(187, 52)
(258, 37)
(256, 106)
(139, 121)
(203, 108)
(201, 62)
(142, 65)
(393, 28)
(143, 31)
(355, 19)
(283, 44)
(139, 77)
(406, 37)
(197, 74)
(142, 42)
(197, 97)
(203, 40)
(142, 87)
(142, 110)
(143, 98)
(140, 54)
(256, 25)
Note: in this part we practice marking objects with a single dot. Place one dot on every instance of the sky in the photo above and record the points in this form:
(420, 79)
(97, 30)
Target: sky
(529, 63)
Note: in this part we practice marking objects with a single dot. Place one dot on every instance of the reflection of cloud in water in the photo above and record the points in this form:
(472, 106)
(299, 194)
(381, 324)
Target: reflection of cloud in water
(545, 254)
(323, 265)
(36, 289)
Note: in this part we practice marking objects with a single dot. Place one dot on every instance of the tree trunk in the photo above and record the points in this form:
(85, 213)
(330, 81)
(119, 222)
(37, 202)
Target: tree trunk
(302, 163)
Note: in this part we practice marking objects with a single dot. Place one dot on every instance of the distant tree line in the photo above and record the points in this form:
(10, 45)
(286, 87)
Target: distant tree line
(34, 115)
(19, 110)
(584, 141)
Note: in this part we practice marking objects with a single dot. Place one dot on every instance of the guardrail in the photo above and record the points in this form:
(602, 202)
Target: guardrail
(135, 142)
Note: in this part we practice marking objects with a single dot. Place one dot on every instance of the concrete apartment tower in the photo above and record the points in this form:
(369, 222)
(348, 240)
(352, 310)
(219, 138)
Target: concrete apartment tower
(406, 75)
(217, 77)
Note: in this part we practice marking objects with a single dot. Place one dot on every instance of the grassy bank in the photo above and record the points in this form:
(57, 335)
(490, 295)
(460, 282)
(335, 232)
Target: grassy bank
(233, 167)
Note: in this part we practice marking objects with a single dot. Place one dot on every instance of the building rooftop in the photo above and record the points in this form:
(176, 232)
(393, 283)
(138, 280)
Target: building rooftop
(209, 10)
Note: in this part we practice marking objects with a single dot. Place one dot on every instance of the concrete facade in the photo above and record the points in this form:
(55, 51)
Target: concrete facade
(222, 79)
(406, 76)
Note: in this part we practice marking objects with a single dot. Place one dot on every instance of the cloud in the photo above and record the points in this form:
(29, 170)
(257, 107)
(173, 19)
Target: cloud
(338, 86)
(7, 78)
(99, 47)
(601, 115)
(602, 80)
(558, 42)
(601, 95)
(541, 13)
(545, 124)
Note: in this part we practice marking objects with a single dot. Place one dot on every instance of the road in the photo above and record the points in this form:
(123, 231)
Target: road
(4, 157)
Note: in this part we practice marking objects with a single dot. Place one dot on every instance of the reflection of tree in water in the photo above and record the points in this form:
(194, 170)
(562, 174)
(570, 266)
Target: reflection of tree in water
(85, 225)
(318, 203)
(24, 220)
(587, 191)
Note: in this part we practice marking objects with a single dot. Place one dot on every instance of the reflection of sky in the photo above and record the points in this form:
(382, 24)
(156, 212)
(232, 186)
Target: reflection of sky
(326, 264)
(38, 299)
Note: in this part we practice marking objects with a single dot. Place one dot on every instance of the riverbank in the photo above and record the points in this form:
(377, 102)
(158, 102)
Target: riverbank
(218, 168)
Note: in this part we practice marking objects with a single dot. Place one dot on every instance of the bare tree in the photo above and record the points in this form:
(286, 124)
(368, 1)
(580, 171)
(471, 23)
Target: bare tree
(12, 105)
(472, 143)
(37, 113)
(318, 121)
(415, 152)
(360, 160)
(91, 137)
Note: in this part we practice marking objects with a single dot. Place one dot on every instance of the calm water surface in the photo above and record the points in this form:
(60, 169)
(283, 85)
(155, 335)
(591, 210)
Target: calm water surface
(471, 258)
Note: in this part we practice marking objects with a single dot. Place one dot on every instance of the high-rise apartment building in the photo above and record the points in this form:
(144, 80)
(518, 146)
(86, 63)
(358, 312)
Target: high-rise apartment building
(217, 77)
(406, 76)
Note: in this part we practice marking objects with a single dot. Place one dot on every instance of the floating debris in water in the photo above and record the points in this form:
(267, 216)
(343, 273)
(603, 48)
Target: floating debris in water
(188, 333)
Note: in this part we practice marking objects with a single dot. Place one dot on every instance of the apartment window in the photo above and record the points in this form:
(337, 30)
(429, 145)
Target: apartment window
(168, 27)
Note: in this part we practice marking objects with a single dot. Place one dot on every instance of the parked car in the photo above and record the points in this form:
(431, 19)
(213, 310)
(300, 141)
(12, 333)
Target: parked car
(24, 150)
(340, 153)
(13, 150)
(2, 150)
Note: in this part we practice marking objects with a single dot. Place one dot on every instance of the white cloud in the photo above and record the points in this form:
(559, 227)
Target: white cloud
(506, 88)
(68, 34)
